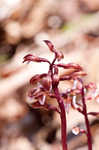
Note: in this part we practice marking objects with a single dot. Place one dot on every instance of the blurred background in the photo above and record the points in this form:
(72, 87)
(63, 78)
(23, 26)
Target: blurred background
(73, 27)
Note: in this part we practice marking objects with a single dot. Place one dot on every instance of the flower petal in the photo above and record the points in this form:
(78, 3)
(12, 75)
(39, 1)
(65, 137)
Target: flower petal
(37, 77)
(34, 58)
(70, 66)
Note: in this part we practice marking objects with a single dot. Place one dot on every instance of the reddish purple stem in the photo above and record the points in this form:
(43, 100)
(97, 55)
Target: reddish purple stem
(63, 119)
(86, 121)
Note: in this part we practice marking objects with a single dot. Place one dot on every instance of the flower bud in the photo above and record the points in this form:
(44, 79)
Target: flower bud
(60, 56)
(50, 45)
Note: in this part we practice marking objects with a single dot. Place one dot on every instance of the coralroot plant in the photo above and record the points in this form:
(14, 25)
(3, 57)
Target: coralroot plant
(47, 85)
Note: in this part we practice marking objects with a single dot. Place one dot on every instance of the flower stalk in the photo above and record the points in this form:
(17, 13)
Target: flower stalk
(63, 119)
(88, 132)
